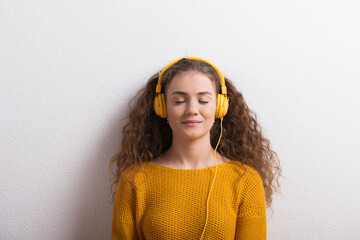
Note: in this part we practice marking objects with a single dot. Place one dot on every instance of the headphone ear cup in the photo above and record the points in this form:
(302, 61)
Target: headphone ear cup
(159, 105)
(163, 105)
(222, 105)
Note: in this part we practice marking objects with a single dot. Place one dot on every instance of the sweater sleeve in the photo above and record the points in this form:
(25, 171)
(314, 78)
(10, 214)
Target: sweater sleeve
(251, 218)
(123, 223)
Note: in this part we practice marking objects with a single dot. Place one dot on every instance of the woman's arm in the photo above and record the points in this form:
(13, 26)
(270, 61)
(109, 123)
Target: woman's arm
(123, 223)
(251, 219)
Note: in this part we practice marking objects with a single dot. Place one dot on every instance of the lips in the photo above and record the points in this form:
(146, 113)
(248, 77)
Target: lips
(191, 122)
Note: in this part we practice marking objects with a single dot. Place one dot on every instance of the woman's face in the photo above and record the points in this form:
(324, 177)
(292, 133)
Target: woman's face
(191, 105)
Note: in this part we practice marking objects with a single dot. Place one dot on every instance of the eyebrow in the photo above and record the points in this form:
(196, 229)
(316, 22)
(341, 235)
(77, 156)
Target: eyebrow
(184, 93)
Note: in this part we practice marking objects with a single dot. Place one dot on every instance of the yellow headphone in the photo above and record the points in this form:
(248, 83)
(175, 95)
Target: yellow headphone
(222, 104)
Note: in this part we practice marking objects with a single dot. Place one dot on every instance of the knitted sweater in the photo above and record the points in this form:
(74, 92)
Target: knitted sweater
(169, 203)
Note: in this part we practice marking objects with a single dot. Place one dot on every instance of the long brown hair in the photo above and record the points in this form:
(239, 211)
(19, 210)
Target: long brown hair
(146, 136)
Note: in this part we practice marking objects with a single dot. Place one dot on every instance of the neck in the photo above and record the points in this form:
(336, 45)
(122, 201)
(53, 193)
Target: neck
(192, 154)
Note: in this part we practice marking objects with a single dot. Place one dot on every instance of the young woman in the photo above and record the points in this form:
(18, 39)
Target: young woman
(193, 163)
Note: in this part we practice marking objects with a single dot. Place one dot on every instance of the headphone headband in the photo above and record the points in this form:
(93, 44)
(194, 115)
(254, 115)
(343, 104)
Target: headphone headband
(221, 75)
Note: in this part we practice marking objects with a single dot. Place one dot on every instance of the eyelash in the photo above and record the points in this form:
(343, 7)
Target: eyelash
(203, 102)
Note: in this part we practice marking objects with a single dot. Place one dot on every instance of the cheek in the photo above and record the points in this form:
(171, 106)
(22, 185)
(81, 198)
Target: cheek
(213, 108)
(209, 112)
(174, 111)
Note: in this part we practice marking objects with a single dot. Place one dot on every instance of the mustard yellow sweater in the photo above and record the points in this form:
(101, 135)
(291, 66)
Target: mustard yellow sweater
(169, 203)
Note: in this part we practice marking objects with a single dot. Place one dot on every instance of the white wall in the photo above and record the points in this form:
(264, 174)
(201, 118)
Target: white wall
(68, 68)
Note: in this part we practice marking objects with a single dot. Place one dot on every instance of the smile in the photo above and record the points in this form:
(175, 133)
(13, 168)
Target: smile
(191, 123)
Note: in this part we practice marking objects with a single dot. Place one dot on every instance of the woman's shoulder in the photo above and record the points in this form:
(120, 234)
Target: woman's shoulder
(130, 172)
(245, 170)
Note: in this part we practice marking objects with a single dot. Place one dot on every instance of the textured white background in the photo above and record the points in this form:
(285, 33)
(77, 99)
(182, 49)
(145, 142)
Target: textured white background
(68, 68)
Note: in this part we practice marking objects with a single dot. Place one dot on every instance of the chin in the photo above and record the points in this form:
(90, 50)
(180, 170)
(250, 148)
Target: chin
(193, 136)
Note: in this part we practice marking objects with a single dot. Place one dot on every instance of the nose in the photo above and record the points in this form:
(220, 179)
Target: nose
(192, 107)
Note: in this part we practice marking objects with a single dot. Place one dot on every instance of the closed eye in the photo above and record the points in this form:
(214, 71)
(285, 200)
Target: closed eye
(199, 102)
(202, 102)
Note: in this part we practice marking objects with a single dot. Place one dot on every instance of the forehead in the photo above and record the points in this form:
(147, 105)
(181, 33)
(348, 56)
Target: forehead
(191, 82)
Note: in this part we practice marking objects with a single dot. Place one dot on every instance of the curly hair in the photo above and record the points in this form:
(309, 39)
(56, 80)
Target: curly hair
(146, 136)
